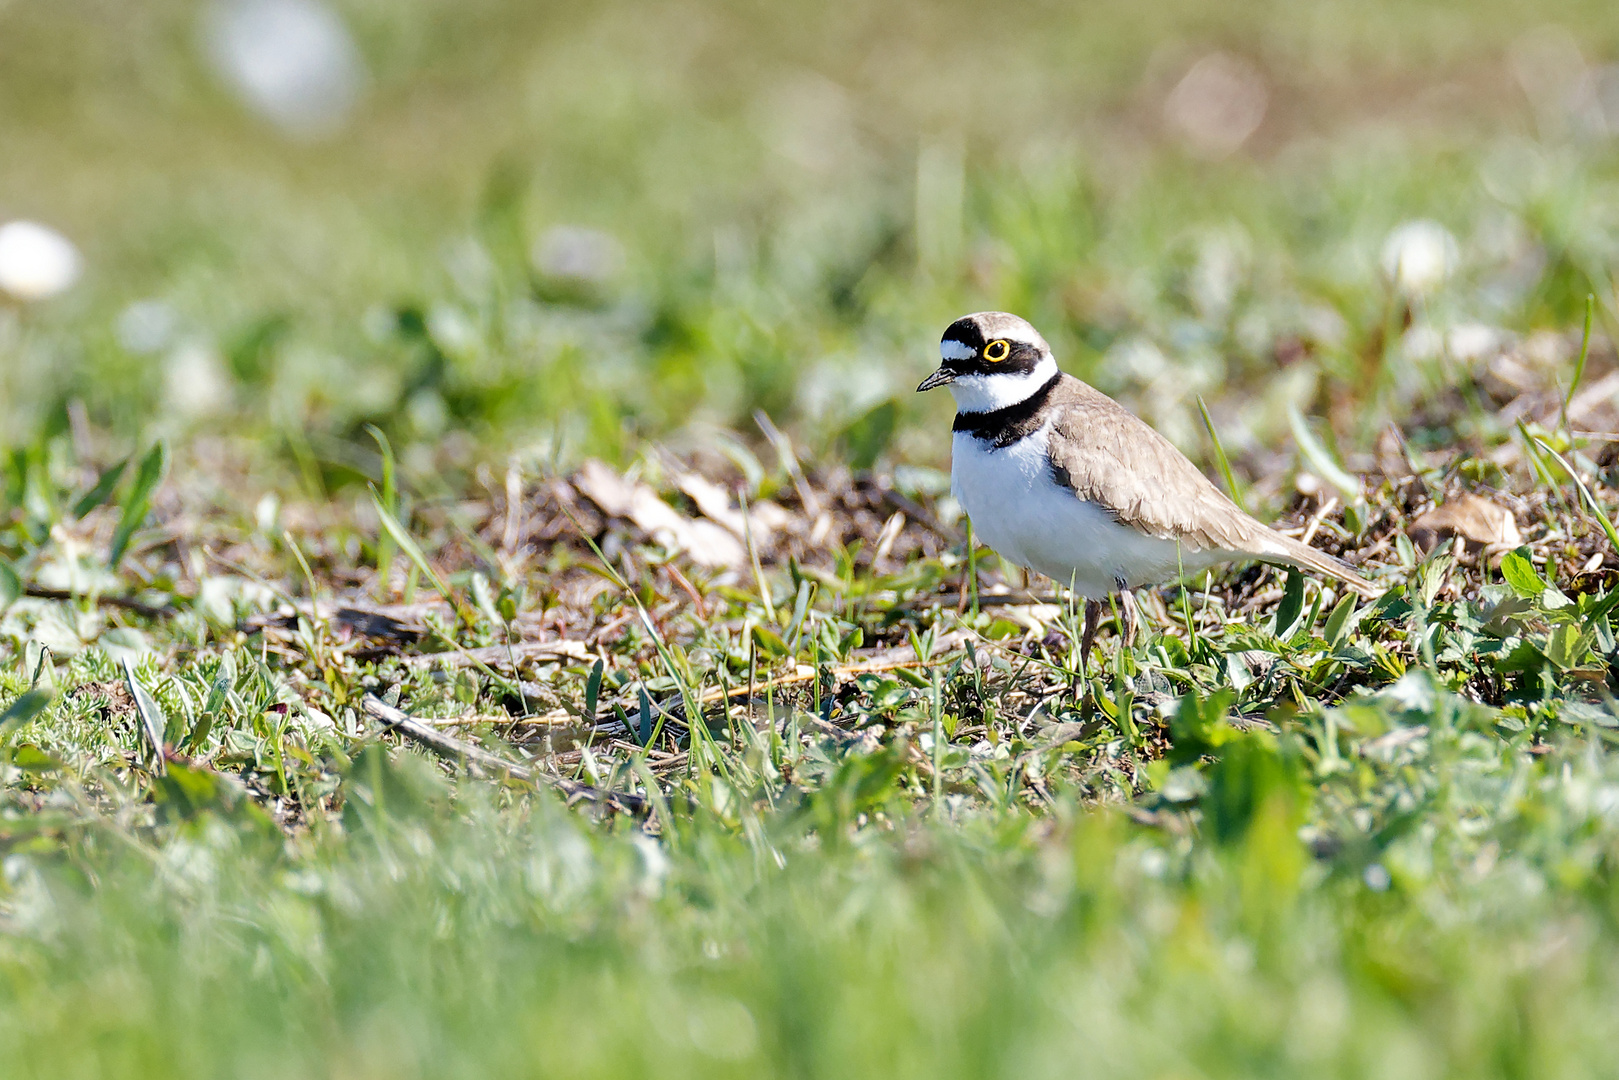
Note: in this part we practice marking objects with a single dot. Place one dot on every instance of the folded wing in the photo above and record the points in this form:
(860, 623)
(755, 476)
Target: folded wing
(1110, 457)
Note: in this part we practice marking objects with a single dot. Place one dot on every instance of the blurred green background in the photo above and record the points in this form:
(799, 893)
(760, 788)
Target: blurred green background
(559, 229)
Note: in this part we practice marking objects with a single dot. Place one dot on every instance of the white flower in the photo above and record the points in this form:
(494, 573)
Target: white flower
(36, 262)
(291, 61)
(1419, 255)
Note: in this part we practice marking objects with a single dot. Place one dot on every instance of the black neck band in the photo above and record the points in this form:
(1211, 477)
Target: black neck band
(1005, 426)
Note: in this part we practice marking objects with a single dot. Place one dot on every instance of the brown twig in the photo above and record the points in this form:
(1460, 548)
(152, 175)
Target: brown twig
(1014, 600)
(559, 718)
(40, 592)
(503, 655)
(449, 746)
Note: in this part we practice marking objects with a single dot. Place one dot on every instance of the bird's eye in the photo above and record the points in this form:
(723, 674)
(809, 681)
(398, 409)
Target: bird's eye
(996, 351)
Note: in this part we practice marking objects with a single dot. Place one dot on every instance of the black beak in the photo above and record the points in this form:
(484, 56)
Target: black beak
(937, 379)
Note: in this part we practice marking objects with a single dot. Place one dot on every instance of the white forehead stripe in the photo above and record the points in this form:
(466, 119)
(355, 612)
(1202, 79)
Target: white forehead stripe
(950, 349)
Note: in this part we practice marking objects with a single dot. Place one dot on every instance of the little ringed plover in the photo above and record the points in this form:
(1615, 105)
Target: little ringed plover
(1060, 478)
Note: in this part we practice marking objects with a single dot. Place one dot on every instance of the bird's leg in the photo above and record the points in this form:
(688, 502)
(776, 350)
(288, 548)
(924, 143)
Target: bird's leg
(1093, 616)
(1129, 618)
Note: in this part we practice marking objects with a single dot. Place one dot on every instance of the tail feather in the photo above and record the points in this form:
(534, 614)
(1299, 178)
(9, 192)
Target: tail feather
(1287, 550)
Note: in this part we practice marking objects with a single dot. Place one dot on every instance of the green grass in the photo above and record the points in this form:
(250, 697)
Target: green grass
(518, 943)
(1286, 834)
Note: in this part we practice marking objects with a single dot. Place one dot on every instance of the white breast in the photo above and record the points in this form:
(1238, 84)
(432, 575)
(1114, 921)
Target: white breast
(1020, 510)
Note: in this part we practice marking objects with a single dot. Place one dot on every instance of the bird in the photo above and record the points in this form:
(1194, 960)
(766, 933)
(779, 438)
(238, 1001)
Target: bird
(1059, 478)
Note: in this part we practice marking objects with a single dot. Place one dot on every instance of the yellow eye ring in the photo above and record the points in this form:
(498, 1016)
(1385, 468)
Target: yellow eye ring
(997, 350)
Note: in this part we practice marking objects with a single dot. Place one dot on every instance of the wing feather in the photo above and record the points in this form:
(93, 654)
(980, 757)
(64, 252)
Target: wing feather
(1109, 456)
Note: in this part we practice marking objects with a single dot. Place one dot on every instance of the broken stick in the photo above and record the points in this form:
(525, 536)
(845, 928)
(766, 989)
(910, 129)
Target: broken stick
(449, 746)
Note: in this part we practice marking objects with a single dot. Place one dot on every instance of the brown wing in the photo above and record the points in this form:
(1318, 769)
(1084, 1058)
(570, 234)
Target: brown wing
(1112, 458)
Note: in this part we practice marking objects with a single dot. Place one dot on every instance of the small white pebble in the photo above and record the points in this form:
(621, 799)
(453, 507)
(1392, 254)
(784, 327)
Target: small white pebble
(36, 262)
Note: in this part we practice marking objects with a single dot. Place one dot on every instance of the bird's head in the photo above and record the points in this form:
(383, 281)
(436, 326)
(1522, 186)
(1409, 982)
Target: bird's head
(991, 360)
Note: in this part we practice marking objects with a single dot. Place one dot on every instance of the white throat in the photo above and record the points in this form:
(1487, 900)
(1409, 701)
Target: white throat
(997, 390)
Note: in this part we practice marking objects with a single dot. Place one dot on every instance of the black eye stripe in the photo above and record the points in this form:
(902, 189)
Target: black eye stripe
(966, 336)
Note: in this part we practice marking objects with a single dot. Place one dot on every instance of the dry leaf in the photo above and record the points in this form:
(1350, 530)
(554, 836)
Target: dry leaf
(707, 544)
(1470, 519)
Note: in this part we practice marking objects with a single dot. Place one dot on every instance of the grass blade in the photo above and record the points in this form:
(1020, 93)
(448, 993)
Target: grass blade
(1338, 624)
(151, 716)
(138, 502)
(1220, 457)
(390, 499)
(1579, 365)
(1535, 450)
(593, 689)
(11, 586)
(101, 491)
(759, 578)
(413, 552)
(1585, 493)
(27, 706)
(1292, 605)
(1320, 459)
